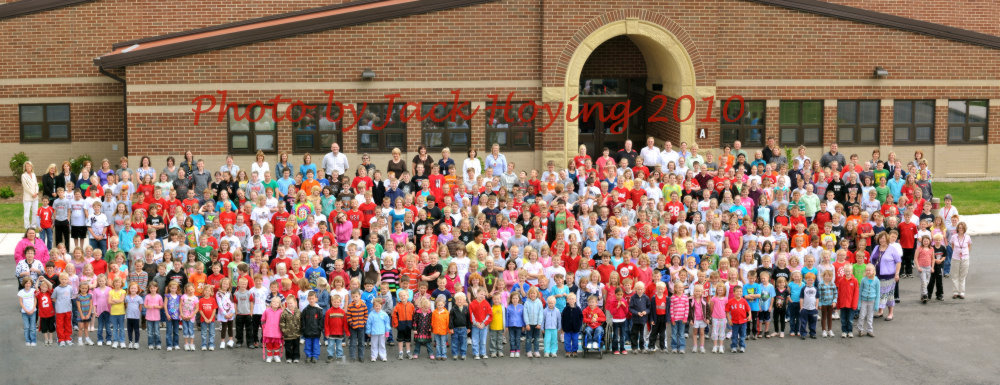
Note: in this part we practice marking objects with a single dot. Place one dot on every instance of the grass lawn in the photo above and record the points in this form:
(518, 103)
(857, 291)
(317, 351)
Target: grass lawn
(972, 197)
(11, 217)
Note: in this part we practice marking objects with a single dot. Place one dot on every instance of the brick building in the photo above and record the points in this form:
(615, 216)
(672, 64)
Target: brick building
(120, 77)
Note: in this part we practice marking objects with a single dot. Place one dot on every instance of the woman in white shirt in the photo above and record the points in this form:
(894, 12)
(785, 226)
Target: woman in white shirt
(29, 184)
(473, 163)
(260, 166)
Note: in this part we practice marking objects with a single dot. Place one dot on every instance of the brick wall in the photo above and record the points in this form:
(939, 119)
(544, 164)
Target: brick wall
(975, 15)
(618, 57)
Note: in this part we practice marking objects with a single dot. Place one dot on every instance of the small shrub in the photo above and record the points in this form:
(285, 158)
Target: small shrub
(76, 164)
(17, 163)
(6, 192)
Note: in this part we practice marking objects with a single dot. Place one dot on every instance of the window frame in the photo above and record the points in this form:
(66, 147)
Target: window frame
(740, 127)
(444, 130)
(514, 126)
(393, 127)
(316, 133)
(911, 126)
(858, 126)
(251, 131)
(45, 123)
(800, 126)
(966, 126)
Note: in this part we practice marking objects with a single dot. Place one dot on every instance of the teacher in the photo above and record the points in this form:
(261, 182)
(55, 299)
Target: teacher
(887, 259)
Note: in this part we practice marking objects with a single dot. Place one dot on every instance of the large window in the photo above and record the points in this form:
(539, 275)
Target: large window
(857, 122)
(913, 122)
(44, 122)
(445, 125)
(801, 122)
(747, 128)
(247, 136)
(967, 121)
(314, 131)
(381, 130)
(513, 129)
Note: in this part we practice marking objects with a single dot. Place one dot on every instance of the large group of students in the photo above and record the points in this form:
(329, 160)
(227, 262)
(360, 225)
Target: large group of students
(637, 251)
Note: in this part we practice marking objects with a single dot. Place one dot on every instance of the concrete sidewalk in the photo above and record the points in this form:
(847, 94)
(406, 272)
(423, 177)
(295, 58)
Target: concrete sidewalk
(983, 224)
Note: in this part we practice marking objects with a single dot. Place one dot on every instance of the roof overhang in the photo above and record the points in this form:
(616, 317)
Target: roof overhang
(24, 7)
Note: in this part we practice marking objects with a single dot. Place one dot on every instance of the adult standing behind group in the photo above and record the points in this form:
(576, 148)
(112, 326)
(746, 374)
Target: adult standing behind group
(29, 187)
(422, 158)
(335, 161)
(496, 162)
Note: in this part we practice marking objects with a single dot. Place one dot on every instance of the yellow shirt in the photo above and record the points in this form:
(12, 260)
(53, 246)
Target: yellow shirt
(117, 295)
(497, 322)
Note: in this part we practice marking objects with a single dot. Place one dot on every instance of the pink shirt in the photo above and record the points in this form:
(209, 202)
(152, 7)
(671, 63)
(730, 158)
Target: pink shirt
(719, 307)
(101, 299)
(151, 301)
(270, 323)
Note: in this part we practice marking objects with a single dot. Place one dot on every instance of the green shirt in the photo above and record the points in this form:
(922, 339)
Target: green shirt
(109, 256)
(273, 184)
(204, 255)
(881, 193)
(882, 174)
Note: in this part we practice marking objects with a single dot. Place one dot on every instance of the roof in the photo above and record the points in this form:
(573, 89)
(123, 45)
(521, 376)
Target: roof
(358, 12)
(269, 28)
(24, 7)
(886, 20)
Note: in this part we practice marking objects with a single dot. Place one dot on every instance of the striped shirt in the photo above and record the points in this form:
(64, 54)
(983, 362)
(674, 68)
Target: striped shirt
(827, 294)
(357, 315)
(679, 308)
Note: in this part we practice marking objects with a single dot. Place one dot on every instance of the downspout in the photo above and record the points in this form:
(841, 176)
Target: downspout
(124, 104)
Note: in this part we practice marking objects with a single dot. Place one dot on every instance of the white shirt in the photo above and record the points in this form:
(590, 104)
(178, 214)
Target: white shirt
(668, 156)
(336, 162)
(650, 156)
(260, 170)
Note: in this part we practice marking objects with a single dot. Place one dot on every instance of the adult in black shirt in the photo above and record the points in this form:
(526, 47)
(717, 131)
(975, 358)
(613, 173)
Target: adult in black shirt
(627, 153)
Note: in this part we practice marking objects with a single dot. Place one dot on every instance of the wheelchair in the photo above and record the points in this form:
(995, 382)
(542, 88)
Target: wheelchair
(601, 343)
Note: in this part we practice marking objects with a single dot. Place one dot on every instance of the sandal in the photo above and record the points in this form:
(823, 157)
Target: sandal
(888, 319)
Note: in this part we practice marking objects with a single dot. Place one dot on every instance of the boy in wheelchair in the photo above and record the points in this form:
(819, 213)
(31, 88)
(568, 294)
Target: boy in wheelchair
(593, 319)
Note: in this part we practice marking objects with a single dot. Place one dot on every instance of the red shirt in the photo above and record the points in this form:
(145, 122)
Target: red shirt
(627, 270)
(227, 218)
(660, 304)
(207, 306)
(45, 307)
(367, 213)
(907, 231)
(355, 216)
(335, 323)
(278, 221)
(739, 310)
(481, 311)
(605, 271)
(100, 266)
(45, 216)
(215, 280)
(675, 209)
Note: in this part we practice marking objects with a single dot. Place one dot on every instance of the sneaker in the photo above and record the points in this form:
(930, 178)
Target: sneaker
(277, 359)
(271, 359)
(673, 351)
(824, 334)
(150, 347)
(843, 335)
(463, 358)
(204, 348)
(850, 335)
(159, 347)
(743, 350)
(211, 348)
(230, 343)
(680, 351)
(79, 341)
(432, 357)
(409, 355)
(781, 335)
(222, 345)
(177, 347)
(734, 350)
(113, 346)
(400, 355)
(62, 344)
(617, 353)
(477, 357)
(169, 348)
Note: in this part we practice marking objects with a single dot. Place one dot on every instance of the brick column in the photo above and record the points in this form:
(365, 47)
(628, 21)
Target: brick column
(829, 134)
(414, 135)
(772, 118)
(478, 127)
(941, 121)
(993, 121)
(349, 138)
(885, 129)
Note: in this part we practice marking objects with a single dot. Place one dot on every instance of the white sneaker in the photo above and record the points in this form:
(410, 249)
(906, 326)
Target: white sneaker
(62, 344)
(733, 350)
(824, 334)
(79, 341)
(159, 347)
(114, 345)
(277, 359)
(231, 343)
(270, 359)
(89, 341)
(211, 348)
(850, 335)
(204, 348)
(27, 344)
(169, 348)
(743, 350)
(222, 345)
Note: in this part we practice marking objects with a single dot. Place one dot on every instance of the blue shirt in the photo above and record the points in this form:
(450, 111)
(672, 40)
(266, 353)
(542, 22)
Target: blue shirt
(751, 289)
(895, 187)
(498, 164)
(305, 168)
(533, 312)
(795, 289)
(514, 315)
(378, 323)
(552, 319)
(283, 184)
(767, 293)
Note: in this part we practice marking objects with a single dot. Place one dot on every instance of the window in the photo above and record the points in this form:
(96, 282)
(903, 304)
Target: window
(747, 128)
(857, 121)
(247, 136)
(913, 122)
(801, 122)
(44, 122)
(381, 130)
(967, 121)
(314, 131)
(445, 126)
(513, 129)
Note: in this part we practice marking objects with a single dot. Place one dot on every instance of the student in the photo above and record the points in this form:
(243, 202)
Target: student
(226, 313)
(738, 312)
(422, 326)
(593, 318)
(440, 327)
(827, 301)
(618, 308)
(189, 313)
(403, 322)
(85, 313)
(312, 327)
(271, 326)
(458, 323)
(514, 315)
(847, 301)
(868, 294)
(551, 323)
(699, 319)
(244, 312)
(357, 317)
(336, 329)
(718, 311)
(63, 304)
(767, 295)
(208, 309)
(679, 311)
(291, 329)
(533, 317)
(133, 314)
(116, 302)
(809, 298)
(378, 328)
(572, 323)
(26, 299)
(779, 307)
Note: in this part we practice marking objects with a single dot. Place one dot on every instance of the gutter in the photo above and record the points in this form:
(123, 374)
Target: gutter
(124, 104)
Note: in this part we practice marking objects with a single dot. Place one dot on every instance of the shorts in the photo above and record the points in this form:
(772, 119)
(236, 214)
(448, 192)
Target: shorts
(78, 232)
(764, 316)
(84, 320)
(47, 325)
(700, 324)
(403, 331)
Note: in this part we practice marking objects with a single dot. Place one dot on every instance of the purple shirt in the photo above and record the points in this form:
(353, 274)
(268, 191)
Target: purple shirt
(888, 260)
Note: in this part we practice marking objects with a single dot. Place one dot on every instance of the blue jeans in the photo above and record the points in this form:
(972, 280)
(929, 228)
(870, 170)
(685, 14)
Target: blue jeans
(618, 334)
(188, 329)
(30, 327)
(118, 328)
(551, 341)
(793, 316)
(946, 266)
(739, 337)
(571, 342)
(334, 349)
(531, 338)
(207, 334)
(101, 244)
(847, 320)
(594, 335)
(46, 235)
(104, 327)
(312, 347)
(153, 333)
(479, 341)
(807, 318)
(515, 338)
(441, 345)
(458, 342)
(677, 339)
(172, 338)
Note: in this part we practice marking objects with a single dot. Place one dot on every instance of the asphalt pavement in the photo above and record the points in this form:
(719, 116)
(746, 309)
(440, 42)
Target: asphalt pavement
(953, 342)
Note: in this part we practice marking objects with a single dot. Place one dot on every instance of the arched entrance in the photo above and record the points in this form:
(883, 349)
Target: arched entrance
(669, 71)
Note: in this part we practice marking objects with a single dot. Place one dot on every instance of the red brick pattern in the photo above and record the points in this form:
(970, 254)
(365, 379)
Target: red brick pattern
(885, 129)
